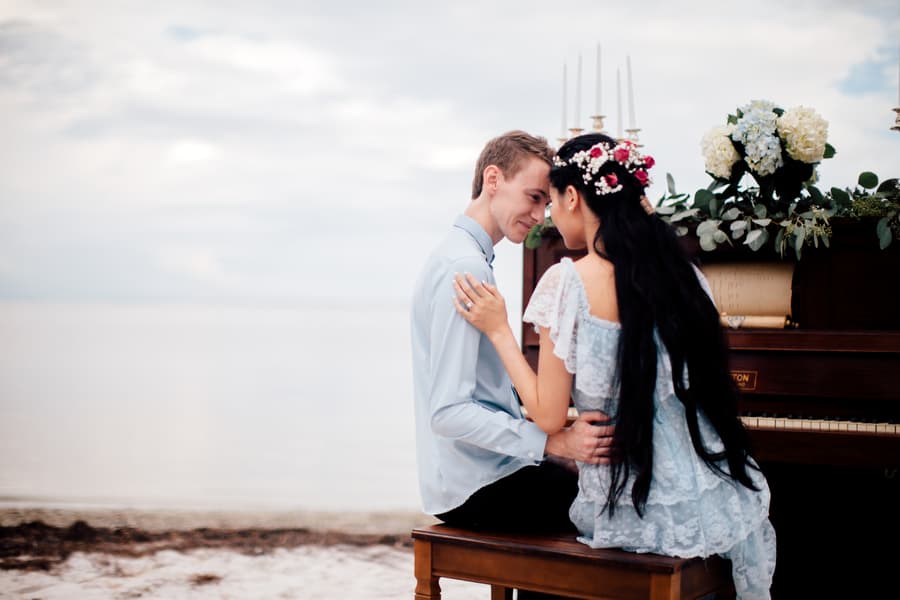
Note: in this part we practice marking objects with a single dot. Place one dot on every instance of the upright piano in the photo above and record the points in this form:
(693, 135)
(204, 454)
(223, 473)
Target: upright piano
(822, 405)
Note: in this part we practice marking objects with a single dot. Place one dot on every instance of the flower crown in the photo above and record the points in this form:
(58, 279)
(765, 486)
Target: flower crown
(591, 160)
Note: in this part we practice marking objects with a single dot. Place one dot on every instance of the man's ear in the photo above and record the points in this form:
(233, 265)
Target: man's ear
(492, 177)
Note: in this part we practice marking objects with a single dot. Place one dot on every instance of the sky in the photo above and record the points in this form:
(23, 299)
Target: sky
(291, 152)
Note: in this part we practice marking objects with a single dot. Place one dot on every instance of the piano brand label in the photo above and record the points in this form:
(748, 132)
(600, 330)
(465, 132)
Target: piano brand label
(745, 380)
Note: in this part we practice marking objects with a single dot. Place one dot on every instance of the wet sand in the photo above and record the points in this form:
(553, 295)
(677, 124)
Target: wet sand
(51, 553)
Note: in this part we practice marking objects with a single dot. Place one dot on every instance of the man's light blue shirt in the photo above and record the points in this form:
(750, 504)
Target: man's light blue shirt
(469, 425)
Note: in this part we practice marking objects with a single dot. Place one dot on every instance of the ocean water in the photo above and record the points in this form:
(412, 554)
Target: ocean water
(187, 406)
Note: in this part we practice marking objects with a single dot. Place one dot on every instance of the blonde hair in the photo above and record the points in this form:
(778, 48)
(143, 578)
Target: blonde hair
(508, 152)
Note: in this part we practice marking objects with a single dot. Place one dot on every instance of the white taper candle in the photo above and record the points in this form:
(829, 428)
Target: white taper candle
(598, 108)
(577, 117)
(631, 120)
(564, 102)
(618, 103)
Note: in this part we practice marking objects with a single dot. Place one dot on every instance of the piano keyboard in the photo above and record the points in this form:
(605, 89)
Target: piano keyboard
(823, 425)
(797, 424)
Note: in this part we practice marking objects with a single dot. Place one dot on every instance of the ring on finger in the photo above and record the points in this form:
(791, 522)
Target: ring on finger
(469, 305)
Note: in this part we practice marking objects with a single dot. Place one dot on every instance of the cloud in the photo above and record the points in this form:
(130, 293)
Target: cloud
(286, 150)
(192, 150)
(41, 61)
(872, 75)
(196, 262)
(300, 69)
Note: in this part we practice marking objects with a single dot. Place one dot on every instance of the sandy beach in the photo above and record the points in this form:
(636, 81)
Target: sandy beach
(60, 553)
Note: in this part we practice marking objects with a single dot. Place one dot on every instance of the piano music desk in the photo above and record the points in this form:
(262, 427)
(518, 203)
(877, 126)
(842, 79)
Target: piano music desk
(558, 564)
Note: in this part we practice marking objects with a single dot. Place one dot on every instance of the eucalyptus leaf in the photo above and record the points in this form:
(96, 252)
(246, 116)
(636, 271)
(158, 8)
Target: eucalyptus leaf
(799, 238)
(760, 211)
(702, 198)
(719, 236)
(707, 227)
(762, 222)
(885, 237)
(841, 198)
(816, 195)
(681, 231)
(737, 234)
(683, 215)
(670, 184)
(713, 207)
(756, 239)
(779, 241)
(829, 151)
(707, 242)
(868, 180)
(736, 225)
(888, 186)
(665, 210)
(731, 214)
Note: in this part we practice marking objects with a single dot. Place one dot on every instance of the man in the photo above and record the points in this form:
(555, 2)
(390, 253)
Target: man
(480, 463)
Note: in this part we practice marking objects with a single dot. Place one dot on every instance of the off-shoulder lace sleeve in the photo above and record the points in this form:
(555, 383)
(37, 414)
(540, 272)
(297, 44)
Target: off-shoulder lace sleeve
(555, 304)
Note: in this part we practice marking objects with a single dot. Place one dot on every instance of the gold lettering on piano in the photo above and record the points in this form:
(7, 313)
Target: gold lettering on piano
(744, 380)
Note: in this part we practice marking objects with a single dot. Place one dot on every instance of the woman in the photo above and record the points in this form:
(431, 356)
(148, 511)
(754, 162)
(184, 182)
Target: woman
(631, 330)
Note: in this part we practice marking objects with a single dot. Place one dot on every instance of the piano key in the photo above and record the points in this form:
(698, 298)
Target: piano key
(829, 425)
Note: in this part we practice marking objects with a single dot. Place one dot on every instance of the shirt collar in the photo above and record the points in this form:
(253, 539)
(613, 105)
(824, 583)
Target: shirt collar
(474, 229)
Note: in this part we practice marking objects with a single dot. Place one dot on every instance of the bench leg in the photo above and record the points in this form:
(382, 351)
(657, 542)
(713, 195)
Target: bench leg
(429, 590)
(665, 587)
(427, 586)
(499, 592)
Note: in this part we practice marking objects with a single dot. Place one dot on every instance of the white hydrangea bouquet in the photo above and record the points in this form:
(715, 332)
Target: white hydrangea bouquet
(778, 151)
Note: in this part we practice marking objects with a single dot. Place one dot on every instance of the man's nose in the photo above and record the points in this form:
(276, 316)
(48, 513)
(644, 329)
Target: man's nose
(537, 214)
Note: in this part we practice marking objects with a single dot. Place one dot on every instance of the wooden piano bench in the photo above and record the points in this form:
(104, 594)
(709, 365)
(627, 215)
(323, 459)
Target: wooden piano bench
(560, 565)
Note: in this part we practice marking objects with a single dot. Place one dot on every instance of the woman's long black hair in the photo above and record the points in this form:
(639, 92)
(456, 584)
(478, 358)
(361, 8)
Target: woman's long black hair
(657, 291)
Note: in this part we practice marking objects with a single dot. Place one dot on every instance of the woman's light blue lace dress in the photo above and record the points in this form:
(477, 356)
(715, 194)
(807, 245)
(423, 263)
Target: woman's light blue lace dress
(691, 510)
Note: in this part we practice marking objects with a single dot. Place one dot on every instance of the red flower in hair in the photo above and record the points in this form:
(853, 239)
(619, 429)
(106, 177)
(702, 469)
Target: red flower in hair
(642, 176)
(596, 151)
(649, 162)
(612, 180)
(621, 155)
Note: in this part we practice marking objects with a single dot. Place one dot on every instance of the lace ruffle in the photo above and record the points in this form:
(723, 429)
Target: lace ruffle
(703, 527)
(586, 344)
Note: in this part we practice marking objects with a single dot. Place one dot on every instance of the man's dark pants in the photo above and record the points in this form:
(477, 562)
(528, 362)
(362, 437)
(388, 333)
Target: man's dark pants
(534, 499)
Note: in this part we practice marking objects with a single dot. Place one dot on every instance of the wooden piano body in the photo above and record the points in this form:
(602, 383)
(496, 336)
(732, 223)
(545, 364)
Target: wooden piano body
(822, 406)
